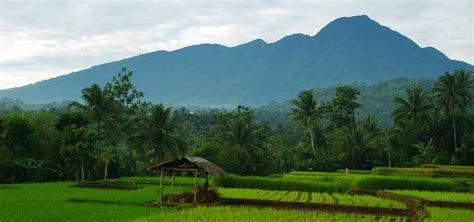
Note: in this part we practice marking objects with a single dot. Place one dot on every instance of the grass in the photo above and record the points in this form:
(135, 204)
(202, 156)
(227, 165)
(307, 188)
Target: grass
(109, 184)
(449, 214)
(217, 214)
(295, 196)
(49, 202)
(439, 196)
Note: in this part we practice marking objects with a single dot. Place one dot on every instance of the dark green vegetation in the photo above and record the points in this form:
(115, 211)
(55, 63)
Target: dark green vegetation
(114, 132)
(348, 50)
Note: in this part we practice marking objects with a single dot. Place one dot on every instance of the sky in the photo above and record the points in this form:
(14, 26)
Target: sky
(43, 39)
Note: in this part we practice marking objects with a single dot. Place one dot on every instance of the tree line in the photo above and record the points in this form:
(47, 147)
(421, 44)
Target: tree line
(113, 131)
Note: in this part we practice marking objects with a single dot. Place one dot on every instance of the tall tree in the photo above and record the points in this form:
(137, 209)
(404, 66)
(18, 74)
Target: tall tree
(244, 138)
(306, 112)
(415, 111)
(454, 91)
(131, 102)
(77, 148)
(342, 108)
(361, 140)
(98, 105)
(158, 135)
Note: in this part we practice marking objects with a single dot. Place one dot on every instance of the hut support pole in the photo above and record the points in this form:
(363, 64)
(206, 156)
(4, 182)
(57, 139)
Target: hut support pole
(161, 186)
(172, 186)
(195, 185)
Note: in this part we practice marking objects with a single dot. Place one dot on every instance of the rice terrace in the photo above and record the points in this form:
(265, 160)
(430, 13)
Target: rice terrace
(239, 111)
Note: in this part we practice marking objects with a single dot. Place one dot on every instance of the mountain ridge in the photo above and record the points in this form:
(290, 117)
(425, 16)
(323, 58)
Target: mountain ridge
(348, 50)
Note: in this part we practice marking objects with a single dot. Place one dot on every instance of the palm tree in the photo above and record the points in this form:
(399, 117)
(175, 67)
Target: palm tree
(425, 152)
(98, 106)
(243, 137)
(158, 134)
(306, 112)
(360, 138)
(415, 111)
(454, 91)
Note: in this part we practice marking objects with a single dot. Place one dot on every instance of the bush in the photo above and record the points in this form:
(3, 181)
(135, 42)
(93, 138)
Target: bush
(432, 172)
(281, 184)
(108, 184)
(387, 183)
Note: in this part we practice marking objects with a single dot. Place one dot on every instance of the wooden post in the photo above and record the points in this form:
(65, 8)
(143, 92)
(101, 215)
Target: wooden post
(161, 186)
(172, 186)
(195, 185)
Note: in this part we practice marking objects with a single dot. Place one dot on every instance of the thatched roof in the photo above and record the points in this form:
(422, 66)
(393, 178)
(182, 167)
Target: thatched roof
(191, 163)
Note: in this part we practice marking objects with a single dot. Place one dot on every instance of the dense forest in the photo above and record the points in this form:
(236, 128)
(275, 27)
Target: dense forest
(114, 132)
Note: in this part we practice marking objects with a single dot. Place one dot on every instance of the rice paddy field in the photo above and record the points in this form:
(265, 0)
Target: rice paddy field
(306, 196)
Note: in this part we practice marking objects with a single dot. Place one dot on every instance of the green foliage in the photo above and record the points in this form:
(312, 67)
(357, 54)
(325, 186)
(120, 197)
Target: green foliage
(416, 111)
(158, 137)
(18, 136)
(342, 108)
(306, 112)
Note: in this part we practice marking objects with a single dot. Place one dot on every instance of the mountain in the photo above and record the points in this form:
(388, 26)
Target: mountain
(347, 50)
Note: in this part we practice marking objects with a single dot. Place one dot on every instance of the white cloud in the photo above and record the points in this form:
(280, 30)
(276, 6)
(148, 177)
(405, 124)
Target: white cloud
(43, 39)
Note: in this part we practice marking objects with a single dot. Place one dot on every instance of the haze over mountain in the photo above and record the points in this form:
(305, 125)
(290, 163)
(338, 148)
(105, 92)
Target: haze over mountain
(348, 50)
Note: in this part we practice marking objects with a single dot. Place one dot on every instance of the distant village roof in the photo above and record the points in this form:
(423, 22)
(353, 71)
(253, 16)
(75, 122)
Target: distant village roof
(191, 163)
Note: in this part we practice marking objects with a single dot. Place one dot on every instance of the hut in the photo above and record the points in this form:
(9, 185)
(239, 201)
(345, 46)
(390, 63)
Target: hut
(198, 166)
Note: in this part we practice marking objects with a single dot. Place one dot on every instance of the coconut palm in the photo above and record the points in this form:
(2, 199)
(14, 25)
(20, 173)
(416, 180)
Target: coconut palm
(98, 105)
(158, 135)
(415, 111)
(242, 136)
(454, 91)
(306, 112)
(360, 139)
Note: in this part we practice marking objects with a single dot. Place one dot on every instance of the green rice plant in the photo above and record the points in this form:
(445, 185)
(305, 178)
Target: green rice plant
(449, 214)
(439, 196)
(108, 184)
(325, 198)
(406, 183)
(447, 166)
(364, 172)
(218, 214)
(50, 202)
(431, 172)
(285, 183)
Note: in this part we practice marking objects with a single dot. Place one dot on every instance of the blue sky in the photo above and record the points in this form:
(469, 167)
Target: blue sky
(43, 39)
